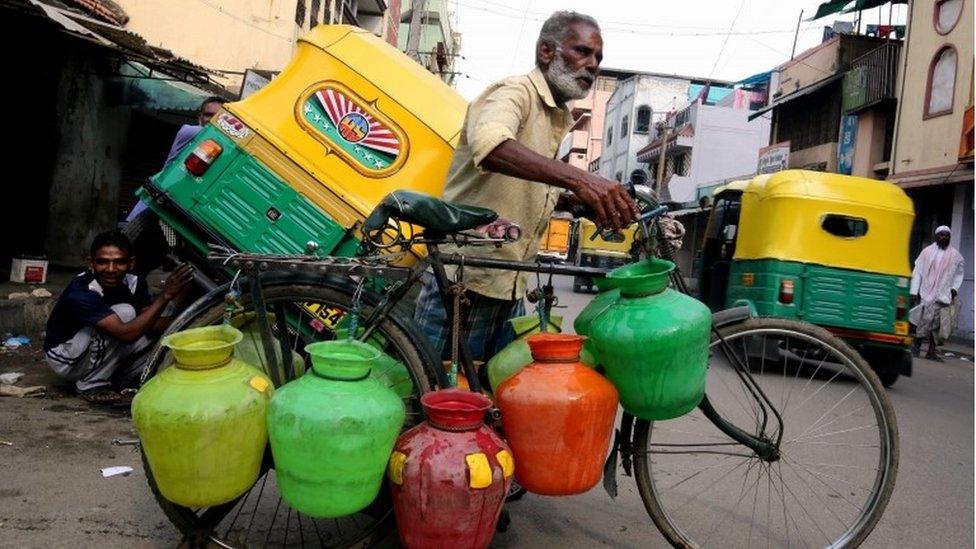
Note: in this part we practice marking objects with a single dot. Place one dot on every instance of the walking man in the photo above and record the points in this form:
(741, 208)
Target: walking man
(936, 280)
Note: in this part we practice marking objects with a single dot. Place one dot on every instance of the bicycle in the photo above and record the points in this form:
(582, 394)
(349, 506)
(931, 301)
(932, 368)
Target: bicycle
(776, 437)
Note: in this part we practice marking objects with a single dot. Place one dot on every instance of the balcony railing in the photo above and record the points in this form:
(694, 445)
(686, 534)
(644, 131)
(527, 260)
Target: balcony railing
(871, 78)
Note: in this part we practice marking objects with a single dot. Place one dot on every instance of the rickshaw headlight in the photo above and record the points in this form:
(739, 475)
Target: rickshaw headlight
(786, 288)
(202, 157)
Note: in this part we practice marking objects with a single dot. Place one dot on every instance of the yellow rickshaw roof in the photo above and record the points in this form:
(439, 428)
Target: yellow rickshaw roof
(782, 217)
(803, 184)
(435, 103)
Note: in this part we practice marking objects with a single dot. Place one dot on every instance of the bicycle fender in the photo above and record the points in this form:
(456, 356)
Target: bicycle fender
(732, 315)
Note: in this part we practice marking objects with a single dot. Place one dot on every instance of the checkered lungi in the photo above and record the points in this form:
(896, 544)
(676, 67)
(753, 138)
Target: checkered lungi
(485, 320)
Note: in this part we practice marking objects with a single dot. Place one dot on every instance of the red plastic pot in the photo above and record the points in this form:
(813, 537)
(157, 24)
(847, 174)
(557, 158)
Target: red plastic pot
(450, 474)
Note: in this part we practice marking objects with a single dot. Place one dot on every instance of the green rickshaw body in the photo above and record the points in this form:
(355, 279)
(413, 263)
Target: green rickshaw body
(824, 248)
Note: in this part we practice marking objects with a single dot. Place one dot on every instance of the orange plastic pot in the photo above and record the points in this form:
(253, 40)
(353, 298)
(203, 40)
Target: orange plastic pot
(558, 418)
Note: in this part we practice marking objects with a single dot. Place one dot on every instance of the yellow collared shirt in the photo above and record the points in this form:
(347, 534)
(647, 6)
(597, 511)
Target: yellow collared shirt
(520, 108)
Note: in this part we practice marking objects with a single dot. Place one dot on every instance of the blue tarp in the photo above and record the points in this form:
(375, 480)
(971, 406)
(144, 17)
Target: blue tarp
(756, 79)
(715, 93)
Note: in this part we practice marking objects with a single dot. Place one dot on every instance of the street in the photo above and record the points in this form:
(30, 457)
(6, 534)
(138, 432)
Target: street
(54, 495)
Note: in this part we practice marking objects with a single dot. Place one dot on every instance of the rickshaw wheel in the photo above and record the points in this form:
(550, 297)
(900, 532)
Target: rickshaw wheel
(837, 461)
(888, 378)
(261, 516)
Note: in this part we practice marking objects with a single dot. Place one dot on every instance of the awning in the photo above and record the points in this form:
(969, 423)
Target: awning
(869, 4)
(798, 93)
(136, 85)
(682, 139)
(126, 45)
(829, 7)
(757, 78)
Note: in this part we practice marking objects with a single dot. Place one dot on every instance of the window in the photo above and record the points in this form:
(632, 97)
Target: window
(844, 226)
(609, 136)
(300, 13)
(313, 17)
(624, 127)
(946, 15)
(643, 124)
(941, 89)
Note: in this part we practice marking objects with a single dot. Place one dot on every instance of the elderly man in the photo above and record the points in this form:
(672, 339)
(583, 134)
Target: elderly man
(936, 279)
(505, 161)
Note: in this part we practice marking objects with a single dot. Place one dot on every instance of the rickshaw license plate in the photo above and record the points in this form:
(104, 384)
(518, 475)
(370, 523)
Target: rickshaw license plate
(324, 318)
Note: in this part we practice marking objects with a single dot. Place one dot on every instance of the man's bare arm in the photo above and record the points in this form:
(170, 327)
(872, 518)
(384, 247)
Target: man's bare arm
(614, 208)
(147, 318)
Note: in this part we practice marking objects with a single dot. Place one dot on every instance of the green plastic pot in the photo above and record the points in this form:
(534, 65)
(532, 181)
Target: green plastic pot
(653, 342)
(333, 429)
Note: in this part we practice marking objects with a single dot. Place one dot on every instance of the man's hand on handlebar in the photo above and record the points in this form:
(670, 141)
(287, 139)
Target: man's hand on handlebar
(613, 206)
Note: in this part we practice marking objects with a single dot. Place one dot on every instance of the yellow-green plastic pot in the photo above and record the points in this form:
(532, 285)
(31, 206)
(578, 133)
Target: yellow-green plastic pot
(202, 422)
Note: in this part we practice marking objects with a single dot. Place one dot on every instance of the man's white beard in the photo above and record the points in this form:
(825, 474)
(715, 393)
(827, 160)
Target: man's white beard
(563, 79)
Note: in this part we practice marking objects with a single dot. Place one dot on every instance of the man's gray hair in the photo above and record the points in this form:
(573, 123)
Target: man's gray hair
(555, 29)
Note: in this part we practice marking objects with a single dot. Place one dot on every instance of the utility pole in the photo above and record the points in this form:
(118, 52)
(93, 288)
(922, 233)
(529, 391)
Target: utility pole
(796, 35)
(662, 159)
(419, 8)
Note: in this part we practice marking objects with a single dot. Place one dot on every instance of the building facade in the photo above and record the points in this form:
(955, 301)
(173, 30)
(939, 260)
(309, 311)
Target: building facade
(210, 33)
(633, 108)
(932, 151)
(583, 145)
(806, 106)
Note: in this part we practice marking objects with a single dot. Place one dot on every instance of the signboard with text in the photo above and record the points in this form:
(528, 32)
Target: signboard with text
(845, 149)
(774, 158)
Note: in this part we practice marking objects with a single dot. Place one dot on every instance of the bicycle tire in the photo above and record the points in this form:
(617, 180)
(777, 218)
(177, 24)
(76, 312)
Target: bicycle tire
(853, 367)
(198, 526)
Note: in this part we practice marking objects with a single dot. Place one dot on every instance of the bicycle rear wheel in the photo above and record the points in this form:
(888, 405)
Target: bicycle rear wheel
(838, 455)
(261, 517)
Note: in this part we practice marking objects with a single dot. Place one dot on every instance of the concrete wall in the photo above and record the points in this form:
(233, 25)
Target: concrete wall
(811, 157)
(726, 143)
(214, 33)
(920, 143)
(810, 67)
(84, 190)
(870, 142)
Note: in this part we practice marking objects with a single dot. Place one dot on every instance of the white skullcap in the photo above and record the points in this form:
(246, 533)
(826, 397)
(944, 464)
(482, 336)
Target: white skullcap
(943, 229)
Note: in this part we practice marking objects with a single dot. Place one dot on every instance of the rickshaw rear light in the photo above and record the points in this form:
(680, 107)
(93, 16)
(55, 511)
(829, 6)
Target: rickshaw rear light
(901, 309)
(199, 161)
(786, 292)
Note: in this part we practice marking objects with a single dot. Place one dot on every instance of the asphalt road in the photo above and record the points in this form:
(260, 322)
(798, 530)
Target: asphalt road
(52, 493)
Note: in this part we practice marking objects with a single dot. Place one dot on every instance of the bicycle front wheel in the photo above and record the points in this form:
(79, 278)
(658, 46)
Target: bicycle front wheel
(838, 454)
(299, 314)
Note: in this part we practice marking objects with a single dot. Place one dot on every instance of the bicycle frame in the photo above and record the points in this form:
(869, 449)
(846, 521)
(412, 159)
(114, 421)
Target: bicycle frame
(405, 278)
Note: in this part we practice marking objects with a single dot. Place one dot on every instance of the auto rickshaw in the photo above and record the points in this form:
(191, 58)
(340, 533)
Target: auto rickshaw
(554, 247)
(592, 248)
(825, 248)
(297, 166)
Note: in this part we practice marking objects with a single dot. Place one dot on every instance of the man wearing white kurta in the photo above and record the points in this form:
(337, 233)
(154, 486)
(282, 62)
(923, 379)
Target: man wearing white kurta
(936, 280)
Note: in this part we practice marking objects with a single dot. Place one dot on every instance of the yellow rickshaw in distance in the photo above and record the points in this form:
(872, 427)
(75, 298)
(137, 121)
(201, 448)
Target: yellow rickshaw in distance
(591, 249)
(824, 248)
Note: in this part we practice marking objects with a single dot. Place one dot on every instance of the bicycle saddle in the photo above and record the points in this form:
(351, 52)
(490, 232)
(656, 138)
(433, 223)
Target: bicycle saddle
(424, 210)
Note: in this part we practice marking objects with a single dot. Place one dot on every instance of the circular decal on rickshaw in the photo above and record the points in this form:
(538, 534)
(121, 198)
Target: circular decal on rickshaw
(353, 127)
